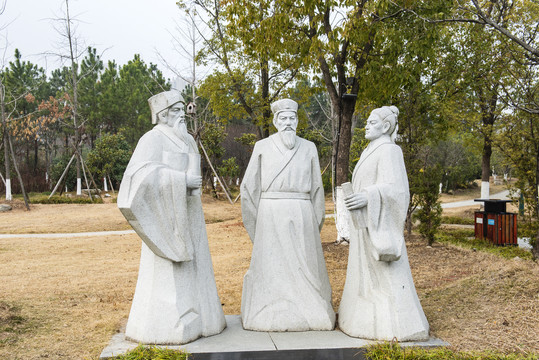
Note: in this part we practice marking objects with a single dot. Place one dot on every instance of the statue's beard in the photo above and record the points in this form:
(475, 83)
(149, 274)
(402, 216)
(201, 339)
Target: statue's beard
(288, 137)
(180, 129)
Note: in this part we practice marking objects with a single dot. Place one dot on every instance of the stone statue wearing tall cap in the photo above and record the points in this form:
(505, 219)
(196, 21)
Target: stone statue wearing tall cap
(286, 287)
(379, 300)
(176, 299)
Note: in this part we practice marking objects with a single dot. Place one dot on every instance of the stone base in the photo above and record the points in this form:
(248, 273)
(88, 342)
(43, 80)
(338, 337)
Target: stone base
(234, 340)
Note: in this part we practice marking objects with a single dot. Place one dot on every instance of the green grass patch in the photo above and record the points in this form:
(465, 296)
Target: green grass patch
(457, 220)
(466, 239)
(43, 198)
(392, 351)
(55, 199)
(142, 352)
(12, 323)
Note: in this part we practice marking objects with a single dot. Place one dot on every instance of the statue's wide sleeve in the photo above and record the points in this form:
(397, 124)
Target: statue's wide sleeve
(152, 198)
(317, 188)
(387, 205)
(250, 192)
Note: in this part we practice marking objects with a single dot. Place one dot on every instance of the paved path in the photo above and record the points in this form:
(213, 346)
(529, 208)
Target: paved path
(500, 195)
(67, 235)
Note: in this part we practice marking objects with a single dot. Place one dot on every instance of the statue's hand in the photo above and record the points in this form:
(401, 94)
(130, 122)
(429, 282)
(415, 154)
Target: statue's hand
(193, 181)
(355, 201)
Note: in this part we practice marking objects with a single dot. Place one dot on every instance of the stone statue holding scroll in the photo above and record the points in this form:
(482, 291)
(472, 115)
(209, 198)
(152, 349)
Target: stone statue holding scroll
(379, 300)
(176, 299)
(286, 287)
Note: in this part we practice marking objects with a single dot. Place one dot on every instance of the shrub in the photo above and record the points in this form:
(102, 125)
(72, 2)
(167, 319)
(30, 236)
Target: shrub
(44, 199)
(109, 158)
(429, 211)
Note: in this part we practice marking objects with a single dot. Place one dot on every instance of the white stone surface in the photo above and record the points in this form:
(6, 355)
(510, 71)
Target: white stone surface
(233, 338)
(236, 339)
(286, 287)
(343, 216)
(524, 243)
(379, 299)
(9, 197)
(485, 190)
(176, 299)
(334, 339)
(79, 186)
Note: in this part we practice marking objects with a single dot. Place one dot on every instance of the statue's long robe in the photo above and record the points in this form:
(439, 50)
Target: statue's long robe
(176, 299)
(286, 287)
(379, 299)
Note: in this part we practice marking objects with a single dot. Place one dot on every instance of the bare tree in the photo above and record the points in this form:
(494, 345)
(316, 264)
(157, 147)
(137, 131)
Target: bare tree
(7, 167)
(7, 143)
(187, 40)
(70, 50)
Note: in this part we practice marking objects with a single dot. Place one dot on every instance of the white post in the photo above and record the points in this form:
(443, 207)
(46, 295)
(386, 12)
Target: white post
(8, 190)
(105, 188)
(79, 186)
(485, 190)
(440, 190)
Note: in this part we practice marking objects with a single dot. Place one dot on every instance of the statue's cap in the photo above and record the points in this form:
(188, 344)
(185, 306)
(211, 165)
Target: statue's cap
(163, 101)
(387, 111)
(284, 105)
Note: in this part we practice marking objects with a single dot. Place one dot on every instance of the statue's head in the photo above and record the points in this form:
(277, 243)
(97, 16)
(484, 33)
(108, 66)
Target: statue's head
(166, 107)
(285, 119)
(382, 122)
(285, 114)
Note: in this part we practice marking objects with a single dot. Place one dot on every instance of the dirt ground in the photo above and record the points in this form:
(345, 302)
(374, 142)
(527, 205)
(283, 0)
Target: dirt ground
(63, 298)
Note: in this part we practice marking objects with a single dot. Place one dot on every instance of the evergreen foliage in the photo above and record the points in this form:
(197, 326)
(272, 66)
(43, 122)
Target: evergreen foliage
(109, 158)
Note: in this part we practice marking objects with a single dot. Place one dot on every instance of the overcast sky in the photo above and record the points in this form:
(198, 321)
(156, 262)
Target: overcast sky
(120, 28)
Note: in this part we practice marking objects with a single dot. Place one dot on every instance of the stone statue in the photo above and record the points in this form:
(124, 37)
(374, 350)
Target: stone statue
(286, 287)
(176, 299)
(379, 300)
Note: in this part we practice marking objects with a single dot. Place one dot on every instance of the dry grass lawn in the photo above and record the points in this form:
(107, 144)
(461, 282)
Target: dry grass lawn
(63, 298)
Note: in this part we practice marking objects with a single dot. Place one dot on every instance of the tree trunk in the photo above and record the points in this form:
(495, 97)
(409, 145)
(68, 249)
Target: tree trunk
(74, 80)
(266, 112)
(36, 154)
(408, 222)
(6, 143)
(488, 110)
(79, 179)
(25, 197)
(485, 167)
(535, 249)
(343, 142)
